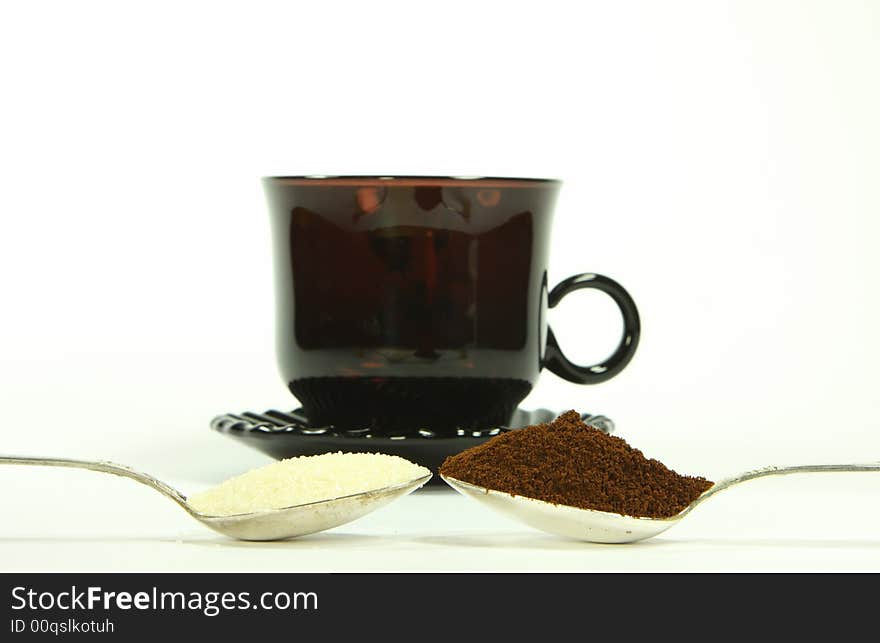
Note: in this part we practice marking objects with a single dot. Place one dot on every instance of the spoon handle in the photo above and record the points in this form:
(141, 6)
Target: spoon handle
(102, 467)
(782, 471)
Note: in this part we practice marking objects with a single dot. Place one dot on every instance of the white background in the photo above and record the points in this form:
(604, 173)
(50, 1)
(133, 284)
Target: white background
(720, 159)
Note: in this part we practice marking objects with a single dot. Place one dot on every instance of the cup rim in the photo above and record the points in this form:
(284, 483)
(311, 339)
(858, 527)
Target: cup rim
(373, 180)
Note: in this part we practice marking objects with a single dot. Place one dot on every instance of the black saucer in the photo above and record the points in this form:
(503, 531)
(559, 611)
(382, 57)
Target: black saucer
(288, 434)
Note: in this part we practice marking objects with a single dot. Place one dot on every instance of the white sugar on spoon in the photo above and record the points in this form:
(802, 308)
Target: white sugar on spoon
(284, 499)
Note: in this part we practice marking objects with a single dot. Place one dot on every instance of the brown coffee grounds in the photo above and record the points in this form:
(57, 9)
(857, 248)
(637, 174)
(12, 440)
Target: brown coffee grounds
(567, 462)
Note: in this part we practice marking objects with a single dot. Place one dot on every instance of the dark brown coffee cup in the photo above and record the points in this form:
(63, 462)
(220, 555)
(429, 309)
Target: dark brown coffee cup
(420, 303)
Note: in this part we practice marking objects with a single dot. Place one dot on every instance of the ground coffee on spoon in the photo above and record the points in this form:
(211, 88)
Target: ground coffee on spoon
(567, 462)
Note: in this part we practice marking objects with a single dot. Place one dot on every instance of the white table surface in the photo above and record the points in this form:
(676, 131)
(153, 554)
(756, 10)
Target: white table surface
(79, 520)
(63, 525)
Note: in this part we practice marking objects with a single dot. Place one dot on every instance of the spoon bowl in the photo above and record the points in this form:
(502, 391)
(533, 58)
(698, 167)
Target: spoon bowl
(604, 527)
(300, 520)
(271, 524)
(563, 520)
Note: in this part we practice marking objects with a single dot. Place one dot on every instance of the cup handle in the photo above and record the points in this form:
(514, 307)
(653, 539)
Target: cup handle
(558, 363)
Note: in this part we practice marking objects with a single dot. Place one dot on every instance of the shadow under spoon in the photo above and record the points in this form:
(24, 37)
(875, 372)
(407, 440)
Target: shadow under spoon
(604, 527)
(271, 524)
